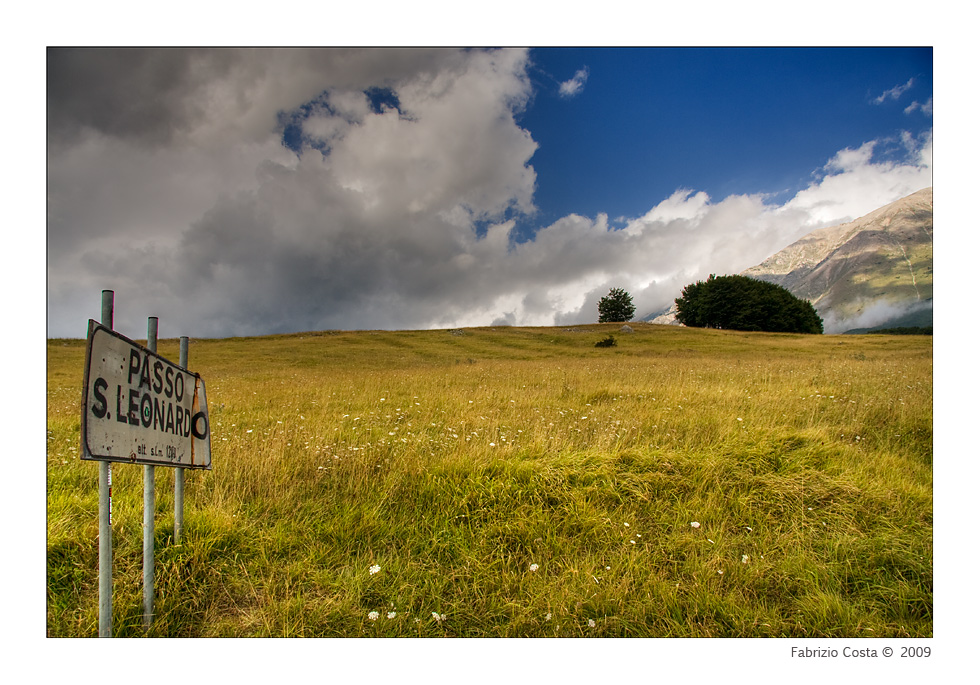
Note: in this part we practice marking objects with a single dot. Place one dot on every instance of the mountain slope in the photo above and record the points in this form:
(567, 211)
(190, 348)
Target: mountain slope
(873, 272)
(863, 273)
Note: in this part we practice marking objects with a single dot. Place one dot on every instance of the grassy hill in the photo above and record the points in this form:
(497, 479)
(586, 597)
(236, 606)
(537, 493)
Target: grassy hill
(522, 482)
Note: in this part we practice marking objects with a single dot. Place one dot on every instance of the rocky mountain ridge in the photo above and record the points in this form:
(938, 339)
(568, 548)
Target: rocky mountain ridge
(873, 272)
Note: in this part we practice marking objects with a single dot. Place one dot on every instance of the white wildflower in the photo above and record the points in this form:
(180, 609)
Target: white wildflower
(695, 524)
(374, 569)
(391, 614)
(547, 617)
(534, 567)
(591, 623)
(745, 558)
(373, 615)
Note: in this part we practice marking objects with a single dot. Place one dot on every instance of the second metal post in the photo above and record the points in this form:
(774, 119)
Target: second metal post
(149, 505)
(179, 472)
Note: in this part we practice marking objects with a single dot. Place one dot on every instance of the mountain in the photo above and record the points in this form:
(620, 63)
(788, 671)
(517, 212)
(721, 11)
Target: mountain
(867, 273)
(874, 272)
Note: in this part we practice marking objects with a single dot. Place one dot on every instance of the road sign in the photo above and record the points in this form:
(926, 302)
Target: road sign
(137, 407)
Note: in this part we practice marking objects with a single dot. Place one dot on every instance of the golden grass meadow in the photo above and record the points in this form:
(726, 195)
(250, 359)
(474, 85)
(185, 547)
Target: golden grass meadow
(521, 482)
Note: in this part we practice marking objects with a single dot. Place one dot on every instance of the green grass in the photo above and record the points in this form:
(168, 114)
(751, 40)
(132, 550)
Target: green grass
(455, 462)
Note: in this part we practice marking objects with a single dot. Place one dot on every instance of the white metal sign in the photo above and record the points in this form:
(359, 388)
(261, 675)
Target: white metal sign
(138, 407)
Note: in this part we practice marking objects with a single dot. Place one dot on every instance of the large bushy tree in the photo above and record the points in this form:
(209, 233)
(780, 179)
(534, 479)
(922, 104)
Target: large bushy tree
(741, 303)
(616, 306)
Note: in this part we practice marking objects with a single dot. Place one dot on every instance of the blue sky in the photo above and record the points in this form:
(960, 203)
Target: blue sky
(648, 121)
(255, 191)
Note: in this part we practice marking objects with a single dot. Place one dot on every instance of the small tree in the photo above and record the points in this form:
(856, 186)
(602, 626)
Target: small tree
(616, 306)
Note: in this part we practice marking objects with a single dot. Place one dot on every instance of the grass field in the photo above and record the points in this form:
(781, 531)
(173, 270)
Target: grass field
(521, 482)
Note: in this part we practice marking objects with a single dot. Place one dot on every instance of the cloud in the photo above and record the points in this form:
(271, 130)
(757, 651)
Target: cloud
(229, 232)
(396, 210)
(894, 93)
(873, 313)
(207, 97)
(852, 184)
(574, 85)
(918, 106)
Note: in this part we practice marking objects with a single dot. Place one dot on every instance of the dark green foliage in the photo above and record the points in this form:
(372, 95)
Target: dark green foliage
(741, 303)
(608, 341)
(616, 306)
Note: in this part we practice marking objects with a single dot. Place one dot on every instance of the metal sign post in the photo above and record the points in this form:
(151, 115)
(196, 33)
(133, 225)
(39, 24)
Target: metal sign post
(105, 514)
(149, 503)
(179, 472)
(140, 408)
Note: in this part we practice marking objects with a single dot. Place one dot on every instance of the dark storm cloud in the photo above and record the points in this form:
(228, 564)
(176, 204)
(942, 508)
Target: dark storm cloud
(144, 94)
(153, 95)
